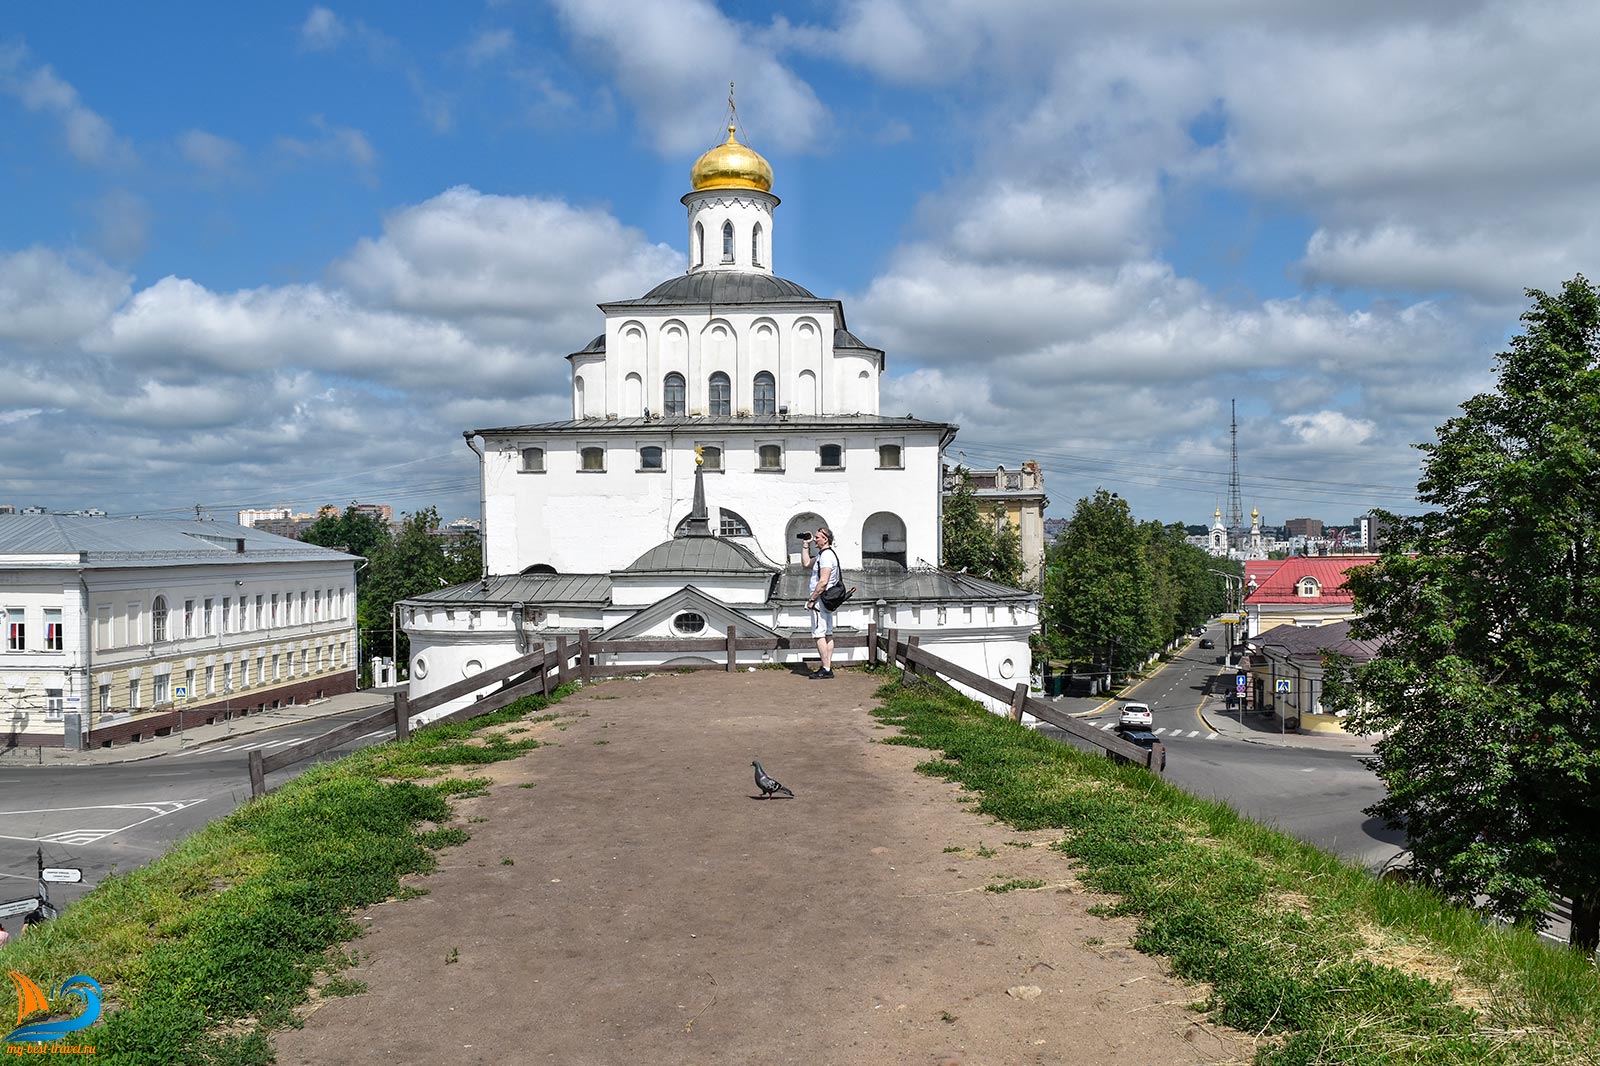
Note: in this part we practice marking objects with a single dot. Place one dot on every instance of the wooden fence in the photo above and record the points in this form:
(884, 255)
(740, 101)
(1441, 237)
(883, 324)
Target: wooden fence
(543, 671)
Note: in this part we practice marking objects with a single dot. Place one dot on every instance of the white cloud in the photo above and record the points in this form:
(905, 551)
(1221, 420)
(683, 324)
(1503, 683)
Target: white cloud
(89, 137)
(658, 54)
(47, 298)
(321, 30)
(210, 153)
(343, 144)
(1322, 429)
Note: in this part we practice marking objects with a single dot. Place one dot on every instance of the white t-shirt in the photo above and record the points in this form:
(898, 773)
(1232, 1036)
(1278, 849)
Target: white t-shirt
(834, 577)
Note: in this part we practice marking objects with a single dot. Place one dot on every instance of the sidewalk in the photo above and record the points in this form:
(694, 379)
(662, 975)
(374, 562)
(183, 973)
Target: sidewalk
(197, 736)
(1268, 729)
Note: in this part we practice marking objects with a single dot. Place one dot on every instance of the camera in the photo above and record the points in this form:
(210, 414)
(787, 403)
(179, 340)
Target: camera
(802, 536)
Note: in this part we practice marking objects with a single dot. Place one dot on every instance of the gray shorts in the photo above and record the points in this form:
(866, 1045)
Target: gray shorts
(821, 621)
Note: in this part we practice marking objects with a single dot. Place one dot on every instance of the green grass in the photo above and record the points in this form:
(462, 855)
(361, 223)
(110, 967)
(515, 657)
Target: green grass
(1327, 964)
(206, 950)
(1015, 884)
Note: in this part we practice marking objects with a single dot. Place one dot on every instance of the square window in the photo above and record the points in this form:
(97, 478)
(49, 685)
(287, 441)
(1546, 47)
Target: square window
(650, 458)
(16, 630)
(831, 456)
(53, 640)
(533, 460)
(592, 460)
(769, 457)
(711, 458)
(889, 457)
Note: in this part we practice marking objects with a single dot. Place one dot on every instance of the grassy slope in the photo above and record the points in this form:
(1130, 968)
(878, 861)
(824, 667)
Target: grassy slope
(206, 950)
(1329, 965)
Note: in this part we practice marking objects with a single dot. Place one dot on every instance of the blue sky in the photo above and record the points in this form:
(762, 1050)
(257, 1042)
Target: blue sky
(262, 253)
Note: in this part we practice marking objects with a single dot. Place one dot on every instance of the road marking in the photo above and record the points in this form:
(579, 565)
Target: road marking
(1158, 731)
(1211, 736)
(80, 837)
(1307, 769)
(369, 736)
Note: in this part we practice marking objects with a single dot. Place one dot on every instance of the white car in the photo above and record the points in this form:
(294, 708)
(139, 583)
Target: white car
(1135, 716)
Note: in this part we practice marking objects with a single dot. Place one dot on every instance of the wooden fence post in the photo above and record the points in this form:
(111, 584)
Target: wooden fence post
(733, 651)
(583, 656)
(911, 667)
(894, 647)
(258, 779)
(402, 716)
(562, 666)
(544, 671)
(872, 643)
(1019, 699)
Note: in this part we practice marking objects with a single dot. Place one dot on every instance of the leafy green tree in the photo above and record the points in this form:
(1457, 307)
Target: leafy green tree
(1099, 596)
(976, 539)
(355, 532)
(416, 560)
(1488, 682)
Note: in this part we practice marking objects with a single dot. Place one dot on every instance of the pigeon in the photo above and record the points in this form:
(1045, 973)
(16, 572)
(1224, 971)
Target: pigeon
(767, 785)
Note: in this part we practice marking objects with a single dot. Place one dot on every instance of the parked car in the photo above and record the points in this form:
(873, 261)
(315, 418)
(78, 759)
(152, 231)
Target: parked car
(1200, 631)
(1207, 643)
(1135, 716)
(1147, 741)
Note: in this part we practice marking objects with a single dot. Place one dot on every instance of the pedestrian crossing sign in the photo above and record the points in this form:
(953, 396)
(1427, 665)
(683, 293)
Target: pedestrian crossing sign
(1283, 686)
(180, 691)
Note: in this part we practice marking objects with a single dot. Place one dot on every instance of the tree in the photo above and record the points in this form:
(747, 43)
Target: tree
(1099, 598)
(416, 560)
(355, 532)
(1487, 684)
(982, 544)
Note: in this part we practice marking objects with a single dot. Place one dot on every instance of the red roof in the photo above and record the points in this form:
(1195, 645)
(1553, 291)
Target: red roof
(1280, 585)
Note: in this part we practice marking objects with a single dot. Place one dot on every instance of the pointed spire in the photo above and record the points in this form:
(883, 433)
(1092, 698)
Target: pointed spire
(699, 521)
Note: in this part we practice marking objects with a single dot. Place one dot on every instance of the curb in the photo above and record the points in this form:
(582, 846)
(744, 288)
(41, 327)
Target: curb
(1299, 742)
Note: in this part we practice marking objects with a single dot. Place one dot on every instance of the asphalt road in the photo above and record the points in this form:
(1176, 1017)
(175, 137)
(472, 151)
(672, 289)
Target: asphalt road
(121, 815)
(1314, 795)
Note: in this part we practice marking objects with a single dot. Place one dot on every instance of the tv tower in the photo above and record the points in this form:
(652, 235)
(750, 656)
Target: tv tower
(1235, 497)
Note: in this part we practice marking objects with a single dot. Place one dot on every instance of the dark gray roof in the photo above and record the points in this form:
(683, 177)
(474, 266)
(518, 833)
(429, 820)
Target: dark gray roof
(1310, 642)
(118, 542)
(793, 422)
(843, 338)
(596, 345)
(721, 287)
(698, 555)
(900, 586)
(526, 588)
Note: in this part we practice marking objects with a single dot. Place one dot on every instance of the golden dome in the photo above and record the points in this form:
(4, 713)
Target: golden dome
(731, 165)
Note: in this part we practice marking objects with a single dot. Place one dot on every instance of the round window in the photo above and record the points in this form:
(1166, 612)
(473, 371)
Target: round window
(689, 622)
(475, 667)
(1007, 668)
(419, 667)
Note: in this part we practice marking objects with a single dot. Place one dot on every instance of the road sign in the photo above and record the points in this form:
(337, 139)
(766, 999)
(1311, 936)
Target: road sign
(62, 875)
(180, 691)
(1283, 686)
(1239, 681)
(19, 906)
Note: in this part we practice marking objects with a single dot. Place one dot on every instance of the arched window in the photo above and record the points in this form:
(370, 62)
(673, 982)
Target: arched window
(533, 460)
(766, 394)
(650, 457)
(883, 536)
(578, 410)
(673, 399)
(755, 245)
(830, 457)
(710, 457)
(769, 457)
(727, 242)
(1308, 586)
(158, 619)
(721, 394)
(732, 524)
(699, 244)
(593, 459)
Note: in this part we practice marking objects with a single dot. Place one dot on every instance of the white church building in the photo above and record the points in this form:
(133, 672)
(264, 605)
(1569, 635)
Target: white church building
(589, 522)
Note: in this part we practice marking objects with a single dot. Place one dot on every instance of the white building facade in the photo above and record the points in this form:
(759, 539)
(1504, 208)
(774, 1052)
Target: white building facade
(109, 622)
(587, 520)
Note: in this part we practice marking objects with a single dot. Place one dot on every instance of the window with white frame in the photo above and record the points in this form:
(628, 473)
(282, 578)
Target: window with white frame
(54, 640)
(533, 460)
(188, 618)
(133, 693)
(755, 245)
(764, 394)
(160, 689)
(316, 604)
(769, 457)
(258, 610)
(272, 615)
(54, 704)
(831, 457)
(592, 460)
(227, 614)
(209, 616)
(158, 621)
(1308, 587)
(103, 699)
(188, 684)
(650, 458)
(732, 524)
(674, 395)
(890, 458)
(727, 242)
(721, 399)
(211, 681)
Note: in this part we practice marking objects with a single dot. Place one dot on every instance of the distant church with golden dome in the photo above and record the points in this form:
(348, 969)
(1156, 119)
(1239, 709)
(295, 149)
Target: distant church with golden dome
(592, 522)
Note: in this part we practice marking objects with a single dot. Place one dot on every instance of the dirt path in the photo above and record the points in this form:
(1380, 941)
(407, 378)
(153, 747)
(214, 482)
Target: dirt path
(652, 912)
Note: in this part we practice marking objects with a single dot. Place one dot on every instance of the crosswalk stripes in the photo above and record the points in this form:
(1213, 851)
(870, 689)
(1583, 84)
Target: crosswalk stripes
(1106, 727)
